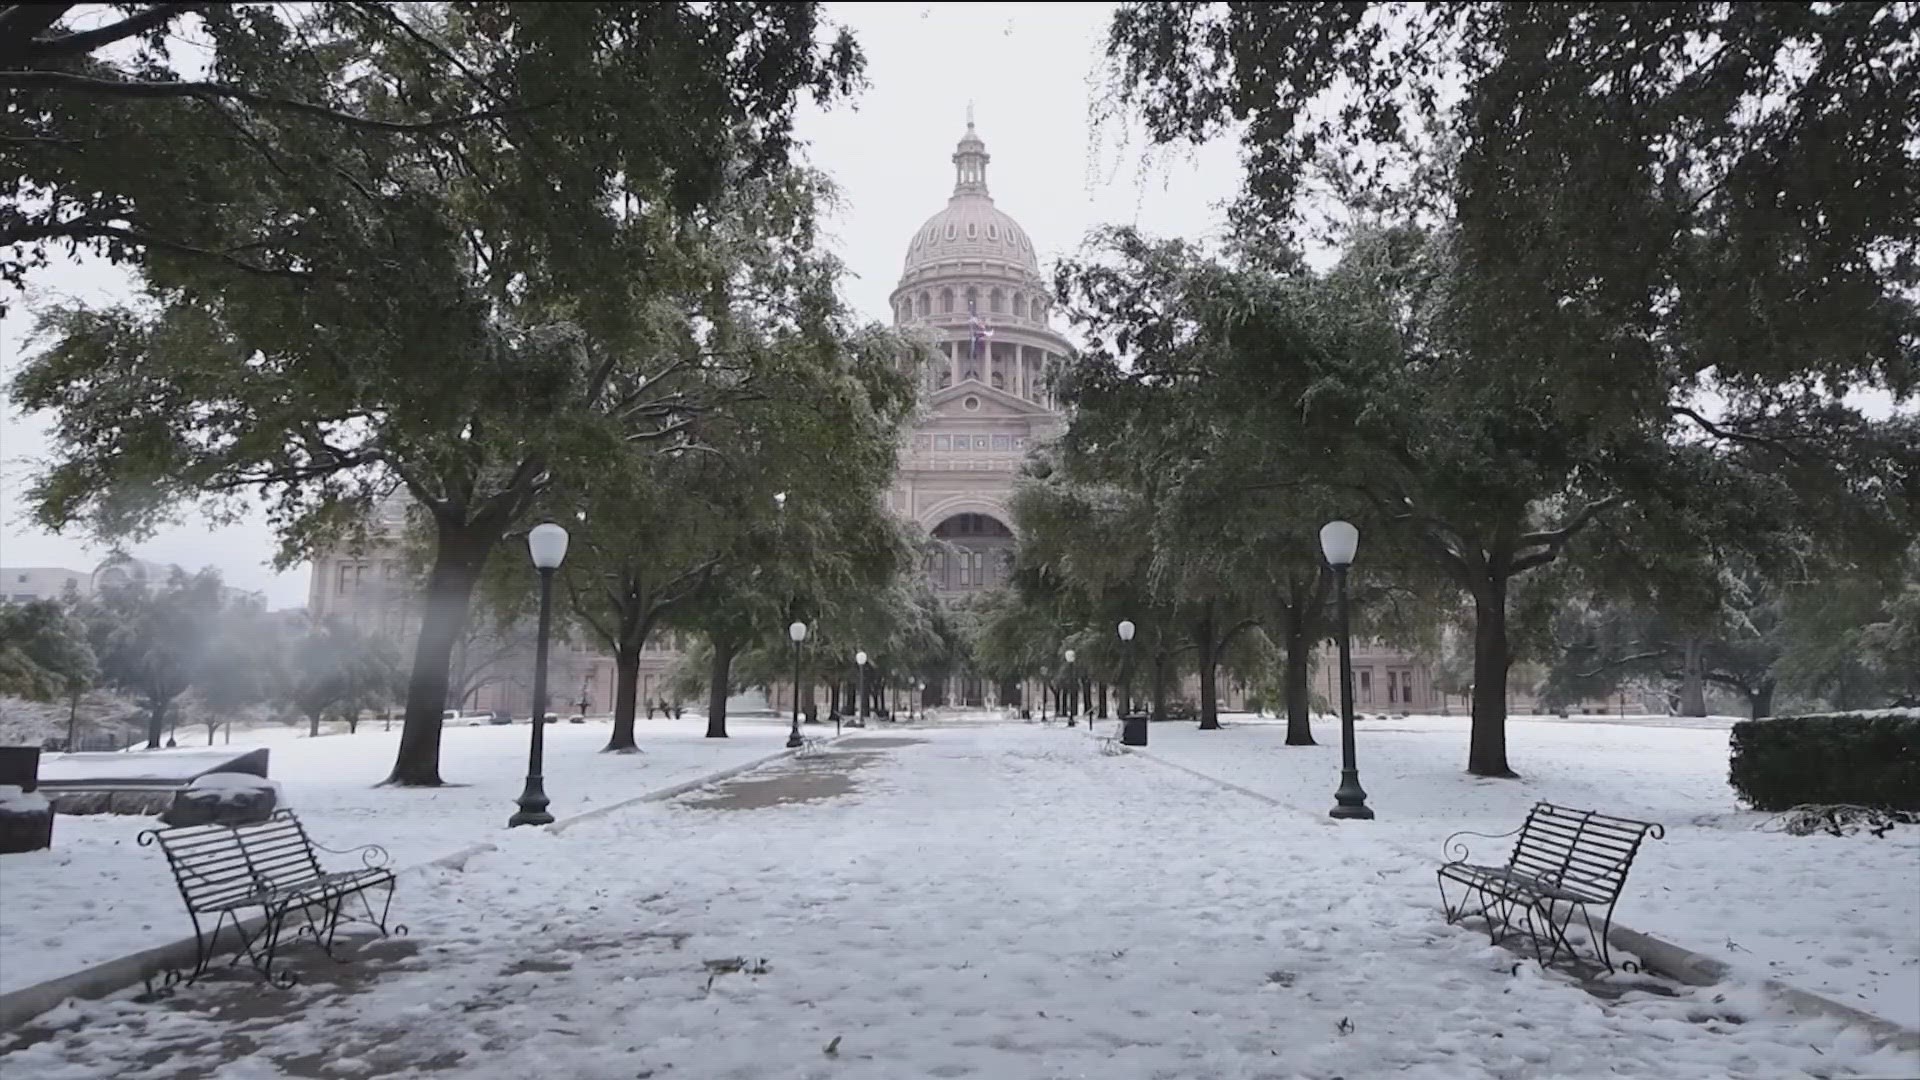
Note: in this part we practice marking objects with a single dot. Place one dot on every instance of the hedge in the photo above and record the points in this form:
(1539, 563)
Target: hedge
(1862, 759)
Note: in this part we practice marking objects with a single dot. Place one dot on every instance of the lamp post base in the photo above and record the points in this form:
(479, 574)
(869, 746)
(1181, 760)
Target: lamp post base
(533, 806)
(794, 739)
(1350, 801)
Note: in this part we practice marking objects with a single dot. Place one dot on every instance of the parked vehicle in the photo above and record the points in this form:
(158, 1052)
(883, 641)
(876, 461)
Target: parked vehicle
(500, 716)
(458, 716)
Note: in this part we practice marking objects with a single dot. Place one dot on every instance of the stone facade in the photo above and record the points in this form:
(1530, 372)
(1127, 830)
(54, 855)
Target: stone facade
(971, 283)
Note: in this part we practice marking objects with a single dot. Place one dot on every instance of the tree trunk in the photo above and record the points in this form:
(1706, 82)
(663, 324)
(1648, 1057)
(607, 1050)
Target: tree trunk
(212, 730)
(1299, 688)
(457, 561)
(1103, 701)
(1159, 687)
(833, 698)
(1760, 700)
(626, 696)
(1693, 682)
(719, 680)
(313, 725)
(156, 720)
(1209, 687)
(1487, 746)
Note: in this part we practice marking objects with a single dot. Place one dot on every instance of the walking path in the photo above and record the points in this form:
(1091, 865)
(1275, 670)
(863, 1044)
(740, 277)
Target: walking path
(996, 902)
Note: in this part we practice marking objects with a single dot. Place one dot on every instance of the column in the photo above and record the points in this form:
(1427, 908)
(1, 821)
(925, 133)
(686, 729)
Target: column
(953, 363)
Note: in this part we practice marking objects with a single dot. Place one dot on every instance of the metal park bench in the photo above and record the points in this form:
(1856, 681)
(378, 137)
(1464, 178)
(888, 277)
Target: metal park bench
(1565, 862)
(811, 746)
(226, 873)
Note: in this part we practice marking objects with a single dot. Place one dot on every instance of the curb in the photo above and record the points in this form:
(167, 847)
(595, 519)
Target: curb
(1674, 961)
(111, 976)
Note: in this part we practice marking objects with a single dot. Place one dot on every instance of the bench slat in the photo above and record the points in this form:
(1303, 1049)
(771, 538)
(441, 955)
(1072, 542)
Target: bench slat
(1552, 831)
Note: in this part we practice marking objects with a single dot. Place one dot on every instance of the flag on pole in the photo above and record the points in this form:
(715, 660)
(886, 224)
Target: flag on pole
(977, 332)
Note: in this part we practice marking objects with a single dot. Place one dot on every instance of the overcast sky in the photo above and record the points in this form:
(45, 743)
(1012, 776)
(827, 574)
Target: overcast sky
(1025, 67)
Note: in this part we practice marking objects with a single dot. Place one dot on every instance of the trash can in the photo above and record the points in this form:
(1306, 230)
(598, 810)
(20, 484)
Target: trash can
(1133, 730)
(26, 818)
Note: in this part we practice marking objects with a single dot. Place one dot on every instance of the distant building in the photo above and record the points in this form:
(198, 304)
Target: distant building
(377, 590)
(26, 584)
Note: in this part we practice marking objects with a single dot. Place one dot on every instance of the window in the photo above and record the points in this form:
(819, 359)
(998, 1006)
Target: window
(973, 299)
(1002, 442)
(997, 302)
(966, 569)
(1366, 686)
(1393, 687)
(973, 230)
(946, 301)
(943, 442)
(1039, 310)
(999, 381)
(993, 233)
(926, 304)
(346, 580)
(923, 442)
(22, 579)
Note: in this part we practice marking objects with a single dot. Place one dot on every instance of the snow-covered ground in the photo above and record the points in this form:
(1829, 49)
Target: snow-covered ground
(996, 902)
(1839, 916)
(96, 894)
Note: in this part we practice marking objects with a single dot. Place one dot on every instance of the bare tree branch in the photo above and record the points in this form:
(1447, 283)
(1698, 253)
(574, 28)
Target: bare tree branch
(1550, 542)
(85, 41)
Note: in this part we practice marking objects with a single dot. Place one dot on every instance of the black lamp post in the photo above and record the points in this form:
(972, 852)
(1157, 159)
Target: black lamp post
(1073, 716)
(1338, 542)
(798, 632)
(1133, 729)
(548, 545)
(860, 690)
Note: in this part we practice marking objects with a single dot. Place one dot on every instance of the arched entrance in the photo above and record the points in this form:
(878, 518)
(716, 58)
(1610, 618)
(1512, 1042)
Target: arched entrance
(969, 553)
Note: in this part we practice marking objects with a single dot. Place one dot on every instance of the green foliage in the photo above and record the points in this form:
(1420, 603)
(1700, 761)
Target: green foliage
(152, 642)
(240, 665)
(111, 147)
(1521, 384)
(475, 313)
(330, 667)
(43, 652)
(1862, 759)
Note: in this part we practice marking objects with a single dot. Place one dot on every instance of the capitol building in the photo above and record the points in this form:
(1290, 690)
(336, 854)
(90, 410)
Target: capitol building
(970, 283)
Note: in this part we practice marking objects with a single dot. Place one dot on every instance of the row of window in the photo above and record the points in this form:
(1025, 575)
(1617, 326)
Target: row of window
(358, 577)
(1399, 686)
(998, 303)
(969, 442)
(967, 569)
(994, 233)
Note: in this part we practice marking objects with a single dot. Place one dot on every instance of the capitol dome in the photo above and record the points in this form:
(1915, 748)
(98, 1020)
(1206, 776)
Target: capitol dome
(970, 227)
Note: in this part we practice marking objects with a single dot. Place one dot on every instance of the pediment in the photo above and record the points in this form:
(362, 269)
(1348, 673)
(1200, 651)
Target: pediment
(951, 401)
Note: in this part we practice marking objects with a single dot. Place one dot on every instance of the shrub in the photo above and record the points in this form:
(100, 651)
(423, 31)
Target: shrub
(1861, 759)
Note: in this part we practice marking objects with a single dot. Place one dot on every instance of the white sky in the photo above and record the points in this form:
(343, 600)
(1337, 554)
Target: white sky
(1025, 67)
